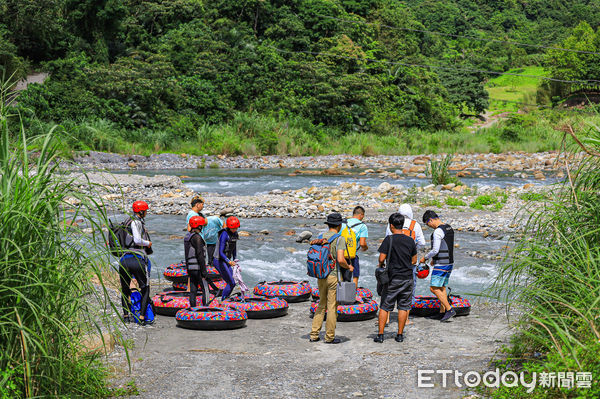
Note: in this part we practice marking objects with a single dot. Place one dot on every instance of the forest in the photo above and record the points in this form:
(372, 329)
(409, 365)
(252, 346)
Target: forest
(244, 76)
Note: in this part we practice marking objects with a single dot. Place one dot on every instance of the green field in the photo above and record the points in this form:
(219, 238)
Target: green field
(507, 89)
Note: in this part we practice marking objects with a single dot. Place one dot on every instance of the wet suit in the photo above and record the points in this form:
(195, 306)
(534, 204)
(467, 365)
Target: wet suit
(195, 260)
(226, 251)
(135, 264)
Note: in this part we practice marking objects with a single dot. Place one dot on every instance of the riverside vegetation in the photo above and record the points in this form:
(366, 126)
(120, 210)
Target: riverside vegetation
(301, 77)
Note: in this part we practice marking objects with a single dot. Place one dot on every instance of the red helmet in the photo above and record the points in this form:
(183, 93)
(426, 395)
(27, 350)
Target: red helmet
(422, 271)
(197, 221)
(139, 206)
(232, 222)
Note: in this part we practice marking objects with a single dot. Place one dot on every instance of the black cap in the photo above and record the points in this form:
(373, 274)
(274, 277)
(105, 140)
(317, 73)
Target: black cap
(334, 219)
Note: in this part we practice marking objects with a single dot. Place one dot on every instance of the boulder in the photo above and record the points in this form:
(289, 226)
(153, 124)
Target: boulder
(264, 232)
(226, 211)
(384, 187)
(304, 236)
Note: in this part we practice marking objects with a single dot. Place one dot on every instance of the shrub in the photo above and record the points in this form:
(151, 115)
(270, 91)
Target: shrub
(455, 201)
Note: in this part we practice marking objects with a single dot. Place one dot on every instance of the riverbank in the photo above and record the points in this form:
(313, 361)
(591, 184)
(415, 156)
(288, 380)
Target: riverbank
(409, 165)
(273, 358)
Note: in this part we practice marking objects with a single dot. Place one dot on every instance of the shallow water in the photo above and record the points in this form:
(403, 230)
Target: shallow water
(256, 181)
(276, 256)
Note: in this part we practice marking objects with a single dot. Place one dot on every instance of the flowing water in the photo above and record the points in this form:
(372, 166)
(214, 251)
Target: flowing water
(276, 256)
(256, 181)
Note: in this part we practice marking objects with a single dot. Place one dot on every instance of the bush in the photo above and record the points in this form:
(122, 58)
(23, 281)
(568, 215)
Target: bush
(438, 171)
(455, 201)
(494, 201)
(533, 197)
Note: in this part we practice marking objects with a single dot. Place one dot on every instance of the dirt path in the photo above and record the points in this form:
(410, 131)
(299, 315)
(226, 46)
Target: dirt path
(274, 359)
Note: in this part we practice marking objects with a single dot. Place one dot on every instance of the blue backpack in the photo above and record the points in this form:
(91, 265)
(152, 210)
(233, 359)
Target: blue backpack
(319, 262)
(136, 305)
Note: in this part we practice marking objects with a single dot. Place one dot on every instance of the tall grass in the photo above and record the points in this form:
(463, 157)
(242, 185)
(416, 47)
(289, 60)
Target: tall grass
(46, 297)
(553, 275)
(438, 170)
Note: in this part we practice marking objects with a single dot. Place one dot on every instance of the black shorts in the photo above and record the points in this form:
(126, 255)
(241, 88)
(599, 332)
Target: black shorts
(398, 292)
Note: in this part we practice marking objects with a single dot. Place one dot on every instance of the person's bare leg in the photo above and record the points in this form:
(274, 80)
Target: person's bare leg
(440, 293)
(383, 317)
(355, 279)
(402, 317)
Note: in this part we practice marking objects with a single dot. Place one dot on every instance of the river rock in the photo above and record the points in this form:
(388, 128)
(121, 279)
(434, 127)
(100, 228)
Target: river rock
(276, 192)
(226, 211)
(289, 233)
(384, 187)
(264, 232)
(304, 236)
(243, 233)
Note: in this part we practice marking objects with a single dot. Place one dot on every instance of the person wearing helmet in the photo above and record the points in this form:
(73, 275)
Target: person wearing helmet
(135, 262)
(195, 259)
(226, 252)
(400, 251)
(442, 256)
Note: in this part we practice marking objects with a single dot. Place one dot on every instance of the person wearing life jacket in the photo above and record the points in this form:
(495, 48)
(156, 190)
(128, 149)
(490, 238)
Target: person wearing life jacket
(442, 257)
(356, 238)
(135, 262)
(195, 259)
(226, 253)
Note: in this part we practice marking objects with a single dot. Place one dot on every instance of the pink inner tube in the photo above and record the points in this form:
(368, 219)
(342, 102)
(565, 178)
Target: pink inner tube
(169, 302)
(220, 284)
(360, 291)
(291, 291)
(362, 309)
(257, 307)
(205, 318)
(430, 305)
(177, 273)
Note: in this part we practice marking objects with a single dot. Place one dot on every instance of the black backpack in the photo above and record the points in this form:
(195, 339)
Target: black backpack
(117, 237)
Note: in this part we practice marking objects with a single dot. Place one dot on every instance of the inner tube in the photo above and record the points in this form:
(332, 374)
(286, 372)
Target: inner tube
(430, 305)
(360, 291)
(291, 291)
(211, 318)
(258, 307)
(361, 309)
(177, 273)
(220, 284)
(168, 303)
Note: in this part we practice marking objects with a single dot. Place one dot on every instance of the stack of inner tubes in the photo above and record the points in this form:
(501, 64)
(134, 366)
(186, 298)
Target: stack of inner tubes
(360, 291)
(257, 307)
(177, 273)
(361, 309)
(430, 305)
(211, 318)
(290, 291)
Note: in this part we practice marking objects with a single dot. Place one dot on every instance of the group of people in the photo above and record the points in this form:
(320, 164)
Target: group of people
(210, 241)
(397, 256)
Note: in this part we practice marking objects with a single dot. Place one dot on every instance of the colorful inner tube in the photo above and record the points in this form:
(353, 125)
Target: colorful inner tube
(360, 291)
(291, 291)
(220, 284)
(362, 309)
(211, 318)
(168, 303)
(430, 305)
(177, 273)
(258, 307)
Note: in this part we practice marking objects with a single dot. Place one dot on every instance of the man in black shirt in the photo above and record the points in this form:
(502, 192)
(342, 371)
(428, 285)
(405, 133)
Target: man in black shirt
(400, 251)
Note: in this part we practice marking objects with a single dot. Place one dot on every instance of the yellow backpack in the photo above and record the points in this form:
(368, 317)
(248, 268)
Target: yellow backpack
(350, 237)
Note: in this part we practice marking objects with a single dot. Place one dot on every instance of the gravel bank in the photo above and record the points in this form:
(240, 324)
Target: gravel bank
(273, 358)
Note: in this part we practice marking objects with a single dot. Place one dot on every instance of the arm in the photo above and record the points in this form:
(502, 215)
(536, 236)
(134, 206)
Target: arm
(438, 235)
(382, 258)
(342, 260)
(136, 232)
(222, 240)
(363, 243)
(420, 237)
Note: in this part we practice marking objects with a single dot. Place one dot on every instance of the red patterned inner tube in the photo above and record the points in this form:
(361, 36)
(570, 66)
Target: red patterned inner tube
(220, 284)
(177, 273)
(168, 303)
(291, 291)
(362, 309)
(211, 318)
(430, 305)
(258, 307)
(360, 291)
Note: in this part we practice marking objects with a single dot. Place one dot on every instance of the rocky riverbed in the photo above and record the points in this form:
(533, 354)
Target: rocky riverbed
(485, 209)
(466, 164)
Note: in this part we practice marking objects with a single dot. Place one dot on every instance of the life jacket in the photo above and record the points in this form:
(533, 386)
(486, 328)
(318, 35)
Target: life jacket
(130, 244)
(410, 231)
(446, 254)
(191, 260)
(350, 236)
(230, 245)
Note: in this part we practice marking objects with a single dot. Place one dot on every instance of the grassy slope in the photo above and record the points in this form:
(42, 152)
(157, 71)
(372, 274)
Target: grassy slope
(513, 88)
